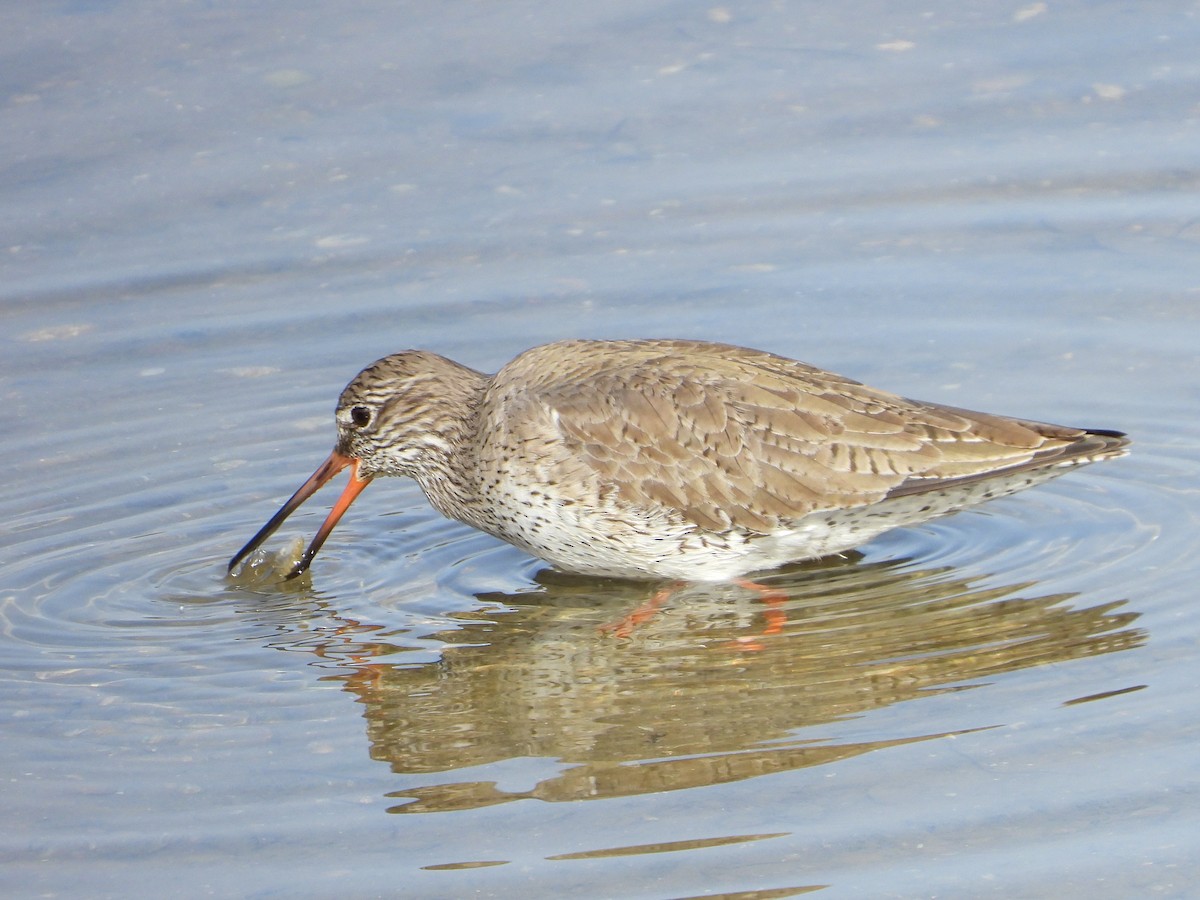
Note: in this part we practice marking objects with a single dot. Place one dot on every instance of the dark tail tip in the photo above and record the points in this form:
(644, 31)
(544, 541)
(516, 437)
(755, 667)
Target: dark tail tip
(1102, 443)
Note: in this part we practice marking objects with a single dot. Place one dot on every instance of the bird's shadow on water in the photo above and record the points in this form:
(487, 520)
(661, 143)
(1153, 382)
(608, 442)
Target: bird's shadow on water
(714, 688)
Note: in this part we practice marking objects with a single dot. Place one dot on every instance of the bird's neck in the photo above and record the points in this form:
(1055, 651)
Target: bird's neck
(445, 474)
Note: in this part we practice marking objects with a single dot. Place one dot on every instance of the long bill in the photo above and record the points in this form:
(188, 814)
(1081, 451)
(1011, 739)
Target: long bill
(334, 464)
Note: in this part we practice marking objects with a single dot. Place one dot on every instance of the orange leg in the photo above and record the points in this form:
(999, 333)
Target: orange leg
(774, 614)
(625, 626)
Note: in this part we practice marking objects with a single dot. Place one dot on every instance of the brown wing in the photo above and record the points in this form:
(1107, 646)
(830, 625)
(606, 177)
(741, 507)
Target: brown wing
(728, 436)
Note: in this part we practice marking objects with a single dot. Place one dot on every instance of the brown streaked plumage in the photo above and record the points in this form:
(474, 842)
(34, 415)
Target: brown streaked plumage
(674, 459)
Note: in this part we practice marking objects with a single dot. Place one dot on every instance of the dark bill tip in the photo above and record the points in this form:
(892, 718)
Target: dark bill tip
(334, 464)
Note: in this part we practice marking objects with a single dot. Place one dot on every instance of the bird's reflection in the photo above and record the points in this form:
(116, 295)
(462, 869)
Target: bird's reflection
(710, 690)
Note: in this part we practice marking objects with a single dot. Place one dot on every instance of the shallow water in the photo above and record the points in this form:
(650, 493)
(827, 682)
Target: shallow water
(215, 215)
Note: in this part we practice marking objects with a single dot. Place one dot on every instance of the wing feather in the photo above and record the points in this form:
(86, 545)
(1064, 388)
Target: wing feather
(725, 436)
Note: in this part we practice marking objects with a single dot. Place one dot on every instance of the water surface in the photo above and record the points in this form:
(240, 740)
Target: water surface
(214, 215)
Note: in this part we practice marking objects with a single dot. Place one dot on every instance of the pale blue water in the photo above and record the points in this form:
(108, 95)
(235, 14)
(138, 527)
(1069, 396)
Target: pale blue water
(212, 215)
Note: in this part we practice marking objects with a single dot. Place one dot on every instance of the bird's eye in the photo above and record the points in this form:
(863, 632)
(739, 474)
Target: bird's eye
(360, 416)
